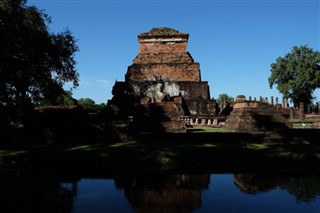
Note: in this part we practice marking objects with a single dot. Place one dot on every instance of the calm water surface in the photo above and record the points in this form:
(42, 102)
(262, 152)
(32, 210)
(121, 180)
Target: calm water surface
(47, 191)
(198, 193)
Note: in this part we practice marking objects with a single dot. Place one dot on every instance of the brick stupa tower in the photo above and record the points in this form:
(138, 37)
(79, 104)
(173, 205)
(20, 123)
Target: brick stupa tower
(162, 85)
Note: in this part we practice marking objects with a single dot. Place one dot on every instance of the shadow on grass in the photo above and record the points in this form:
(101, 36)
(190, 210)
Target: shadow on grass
(206, 152)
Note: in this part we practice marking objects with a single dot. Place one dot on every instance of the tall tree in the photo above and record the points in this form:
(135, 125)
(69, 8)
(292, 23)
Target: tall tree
(224, 97)
(34, 63)
(64, 99)
(297, 74)
(87, 103)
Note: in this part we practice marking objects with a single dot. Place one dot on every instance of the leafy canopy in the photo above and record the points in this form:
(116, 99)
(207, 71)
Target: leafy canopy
(224, 97)
(34, 63)
(90, 105)
(297, 74)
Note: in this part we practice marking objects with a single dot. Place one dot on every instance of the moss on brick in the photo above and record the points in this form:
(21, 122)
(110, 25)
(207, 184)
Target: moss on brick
(163, 31)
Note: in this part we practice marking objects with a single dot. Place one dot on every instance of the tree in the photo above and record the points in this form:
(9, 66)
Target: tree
(34, 63)
(90, 105)
(64, 99)
(87, 103)
(67, 99)
(223, 100)
(297, 74)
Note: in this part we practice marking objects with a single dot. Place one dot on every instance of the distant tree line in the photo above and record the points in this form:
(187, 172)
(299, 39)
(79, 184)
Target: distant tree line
(66, 99)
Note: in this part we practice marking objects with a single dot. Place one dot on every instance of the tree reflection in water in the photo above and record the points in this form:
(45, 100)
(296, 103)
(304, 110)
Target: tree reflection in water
(305, 188)
(35, 191)
(22, 191)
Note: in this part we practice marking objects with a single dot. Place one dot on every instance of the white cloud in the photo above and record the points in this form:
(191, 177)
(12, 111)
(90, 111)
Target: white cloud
(94, 82)
(102, 83)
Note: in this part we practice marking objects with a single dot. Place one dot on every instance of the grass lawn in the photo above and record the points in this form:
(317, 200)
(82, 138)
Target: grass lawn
(302, 126)
(209, 130)
(305, 120)
(208, 151)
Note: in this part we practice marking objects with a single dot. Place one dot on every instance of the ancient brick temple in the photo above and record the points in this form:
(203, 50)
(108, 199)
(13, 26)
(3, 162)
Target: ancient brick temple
(162, 85)
(256, 116)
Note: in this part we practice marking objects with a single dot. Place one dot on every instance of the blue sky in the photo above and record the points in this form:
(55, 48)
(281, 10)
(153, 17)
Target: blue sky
(234, 41)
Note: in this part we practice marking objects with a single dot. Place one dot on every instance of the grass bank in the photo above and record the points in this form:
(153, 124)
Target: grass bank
(205, 152)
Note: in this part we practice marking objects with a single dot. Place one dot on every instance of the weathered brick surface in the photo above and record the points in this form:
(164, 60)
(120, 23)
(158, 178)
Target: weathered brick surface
(153, 43)
(163, 56)
(165, 47)
(163, 59)
(173, 71)
(160, 58)
(201, 106)
(195, 90)
(254, 116)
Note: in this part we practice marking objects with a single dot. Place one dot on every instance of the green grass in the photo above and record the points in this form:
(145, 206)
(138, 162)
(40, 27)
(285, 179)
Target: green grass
(166, 156)
(11, 153)
(222, 151)
(210, 130)
(300, 126)
(304, 120)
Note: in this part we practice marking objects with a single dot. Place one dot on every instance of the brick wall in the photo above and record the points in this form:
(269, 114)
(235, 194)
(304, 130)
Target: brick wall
(150, 43)
(163, 58)
(195, 89)
(178, 48)
(174, 71)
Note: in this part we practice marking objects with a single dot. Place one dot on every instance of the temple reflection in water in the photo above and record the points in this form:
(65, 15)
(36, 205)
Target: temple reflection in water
(164, 193)
(24, 191)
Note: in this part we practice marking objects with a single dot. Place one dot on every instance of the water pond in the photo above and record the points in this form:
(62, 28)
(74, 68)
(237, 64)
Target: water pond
(276, 191)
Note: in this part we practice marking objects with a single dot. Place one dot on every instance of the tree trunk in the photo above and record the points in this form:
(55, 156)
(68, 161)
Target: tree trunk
(301, 110)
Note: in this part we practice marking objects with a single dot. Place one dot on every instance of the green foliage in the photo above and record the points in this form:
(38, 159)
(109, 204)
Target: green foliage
(223, 97)
(297, 74)
(68, 100)
(63, 99)
(34, 63)
(89, 104)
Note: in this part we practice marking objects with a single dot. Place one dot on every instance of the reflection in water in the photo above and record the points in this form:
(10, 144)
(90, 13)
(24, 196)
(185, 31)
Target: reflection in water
(100, 195)
(22, 191)
(255, 183)
(35, 191)
(164, 193)
(305, 188)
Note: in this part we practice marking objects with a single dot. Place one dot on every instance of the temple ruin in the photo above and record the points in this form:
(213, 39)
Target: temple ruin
(162, 85)
(163, 92)
(257, 116)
